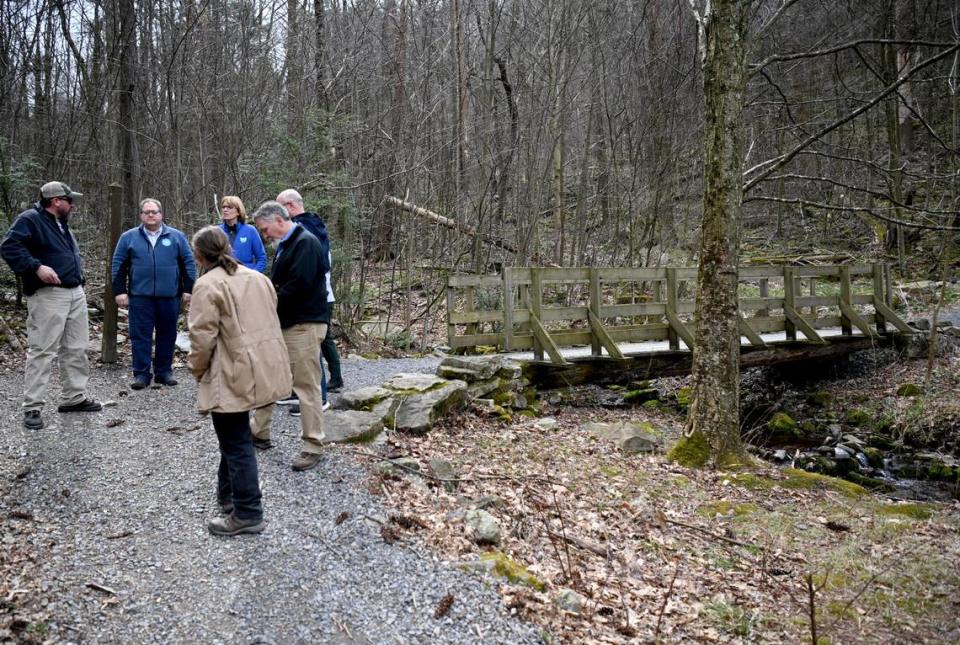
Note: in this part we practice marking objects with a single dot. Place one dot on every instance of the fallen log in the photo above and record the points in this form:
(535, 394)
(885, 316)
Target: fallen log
(436, 218)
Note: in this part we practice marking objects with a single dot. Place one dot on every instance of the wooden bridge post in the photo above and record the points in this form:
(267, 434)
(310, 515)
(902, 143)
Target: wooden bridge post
(845, 293)
(595, 297)
(508, 299)
(788, 300)
(451, 303)
(536, 308)
(878, 292)
(672, 336)
(764, 293)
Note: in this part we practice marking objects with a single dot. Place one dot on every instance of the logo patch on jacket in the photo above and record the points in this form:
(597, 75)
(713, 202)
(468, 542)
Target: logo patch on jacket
(166, 242)
(243, 240)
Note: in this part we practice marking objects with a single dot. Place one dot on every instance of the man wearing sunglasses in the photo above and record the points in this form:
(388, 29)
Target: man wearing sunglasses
(41, 249)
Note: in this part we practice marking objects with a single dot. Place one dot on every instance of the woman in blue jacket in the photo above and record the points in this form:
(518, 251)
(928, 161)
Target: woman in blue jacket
(244, 239)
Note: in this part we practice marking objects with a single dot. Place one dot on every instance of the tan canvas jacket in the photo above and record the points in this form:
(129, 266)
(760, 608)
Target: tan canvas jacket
(236, 348)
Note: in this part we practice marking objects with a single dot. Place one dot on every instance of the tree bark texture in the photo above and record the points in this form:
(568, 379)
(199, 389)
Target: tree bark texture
(715, 410)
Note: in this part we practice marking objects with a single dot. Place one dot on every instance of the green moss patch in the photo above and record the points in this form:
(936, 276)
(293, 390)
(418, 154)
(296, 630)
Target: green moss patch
(505, 567)
(913, 511)
(723, 507)
(799, 480)
(857, 417)
(692, 451)
(908, 389)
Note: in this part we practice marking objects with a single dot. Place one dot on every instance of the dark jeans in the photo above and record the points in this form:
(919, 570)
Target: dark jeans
(329, 350)
(145, 316)
(237, 480)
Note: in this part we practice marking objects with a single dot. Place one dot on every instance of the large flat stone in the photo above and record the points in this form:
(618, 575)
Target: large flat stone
(351, 426)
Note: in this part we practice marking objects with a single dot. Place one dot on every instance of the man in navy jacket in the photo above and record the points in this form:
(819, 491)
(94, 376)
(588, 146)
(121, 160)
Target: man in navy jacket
(41, 249)
(303, 313)
(153, 270)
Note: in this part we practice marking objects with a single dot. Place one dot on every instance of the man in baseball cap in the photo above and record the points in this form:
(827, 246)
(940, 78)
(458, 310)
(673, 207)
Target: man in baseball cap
(41, 249)
(57, 189)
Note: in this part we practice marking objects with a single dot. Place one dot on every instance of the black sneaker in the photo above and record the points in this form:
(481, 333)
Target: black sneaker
(87, 405)
(32, 420)
(139, 384)
(166, 380)
(335, 387)
(293, 399)
(294, 410)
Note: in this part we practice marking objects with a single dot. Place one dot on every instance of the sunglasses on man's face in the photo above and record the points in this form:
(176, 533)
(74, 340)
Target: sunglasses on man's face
(69, 200)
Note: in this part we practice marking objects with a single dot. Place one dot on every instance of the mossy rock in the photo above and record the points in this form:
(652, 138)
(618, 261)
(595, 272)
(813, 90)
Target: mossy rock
(800, 479)
(908, 389)
(870, 483)
(652, 405)
(692, 451)
(857, 417)
(712, 509)
(913, 511)
(782, 423)
(820, 399)
(880, 441)
(684, 397)
(636, 397)
(884, 423)
(485, 349)
(505, 567)
(874, 456)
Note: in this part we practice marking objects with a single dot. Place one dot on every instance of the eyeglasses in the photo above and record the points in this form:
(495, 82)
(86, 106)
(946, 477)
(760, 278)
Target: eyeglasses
(69, 200)
(150, 212)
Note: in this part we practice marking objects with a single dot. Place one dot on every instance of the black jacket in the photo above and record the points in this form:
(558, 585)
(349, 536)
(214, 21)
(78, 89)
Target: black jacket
(35, 239)
(297, 273)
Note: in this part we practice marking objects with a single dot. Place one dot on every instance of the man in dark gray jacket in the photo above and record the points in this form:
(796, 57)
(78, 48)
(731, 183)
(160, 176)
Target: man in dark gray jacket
(41, 249)
(303, 312)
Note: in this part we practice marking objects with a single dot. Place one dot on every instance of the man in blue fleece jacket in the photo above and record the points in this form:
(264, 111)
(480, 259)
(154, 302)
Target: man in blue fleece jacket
(153, 270)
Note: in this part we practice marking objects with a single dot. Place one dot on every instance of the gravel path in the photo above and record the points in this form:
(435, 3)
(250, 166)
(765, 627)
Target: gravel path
(125, 507)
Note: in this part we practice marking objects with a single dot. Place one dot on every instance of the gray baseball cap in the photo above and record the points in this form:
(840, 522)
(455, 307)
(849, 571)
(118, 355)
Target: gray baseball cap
(57, 189)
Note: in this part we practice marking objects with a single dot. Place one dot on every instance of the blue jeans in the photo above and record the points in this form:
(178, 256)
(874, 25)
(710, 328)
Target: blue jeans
(145, 315)
(237, 480)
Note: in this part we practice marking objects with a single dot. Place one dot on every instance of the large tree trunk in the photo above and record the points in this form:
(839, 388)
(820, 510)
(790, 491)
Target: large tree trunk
(126, 37)
(713, 424)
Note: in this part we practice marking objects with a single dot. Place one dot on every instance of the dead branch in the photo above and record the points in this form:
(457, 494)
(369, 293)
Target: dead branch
(449, 223)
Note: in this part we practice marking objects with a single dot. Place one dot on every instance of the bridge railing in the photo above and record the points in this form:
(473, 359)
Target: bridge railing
(544, 309)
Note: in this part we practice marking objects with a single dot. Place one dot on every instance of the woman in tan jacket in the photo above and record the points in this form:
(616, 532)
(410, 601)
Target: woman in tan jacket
(238, 356)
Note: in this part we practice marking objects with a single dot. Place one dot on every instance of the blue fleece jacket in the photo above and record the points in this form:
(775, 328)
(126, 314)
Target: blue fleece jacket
(247, 246)
(166, 270)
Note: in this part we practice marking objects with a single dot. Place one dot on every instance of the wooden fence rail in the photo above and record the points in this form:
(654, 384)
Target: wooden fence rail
(544, 309)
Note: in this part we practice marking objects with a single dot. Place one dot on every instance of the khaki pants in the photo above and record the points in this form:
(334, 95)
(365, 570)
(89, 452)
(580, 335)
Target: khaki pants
(56, 326)
(303, 342)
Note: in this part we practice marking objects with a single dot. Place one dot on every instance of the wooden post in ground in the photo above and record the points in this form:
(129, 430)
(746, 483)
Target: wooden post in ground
(108, 341)
(878, 292)
(508, 297)
(788, 303)
(845, 293)
(672, 336)
(595, 346)
(536, 308)
(764, 311)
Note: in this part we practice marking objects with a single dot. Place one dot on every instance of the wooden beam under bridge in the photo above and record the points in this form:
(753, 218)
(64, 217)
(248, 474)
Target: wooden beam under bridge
(599, 370)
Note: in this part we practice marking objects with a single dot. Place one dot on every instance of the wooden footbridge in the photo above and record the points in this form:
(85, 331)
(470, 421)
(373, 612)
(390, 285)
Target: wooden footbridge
(787, 313)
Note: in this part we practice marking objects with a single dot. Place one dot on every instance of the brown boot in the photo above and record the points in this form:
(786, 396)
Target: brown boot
(231, 525)
(307, 460)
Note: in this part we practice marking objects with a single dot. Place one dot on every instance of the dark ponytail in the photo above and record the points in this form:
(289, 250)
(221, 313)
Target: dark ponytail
(211, 243)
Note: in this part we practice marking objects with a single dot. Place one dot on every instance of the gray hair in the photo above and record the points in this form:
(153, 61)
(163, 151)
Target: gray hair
(147, 200)
(271, 211)
(290, 195)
